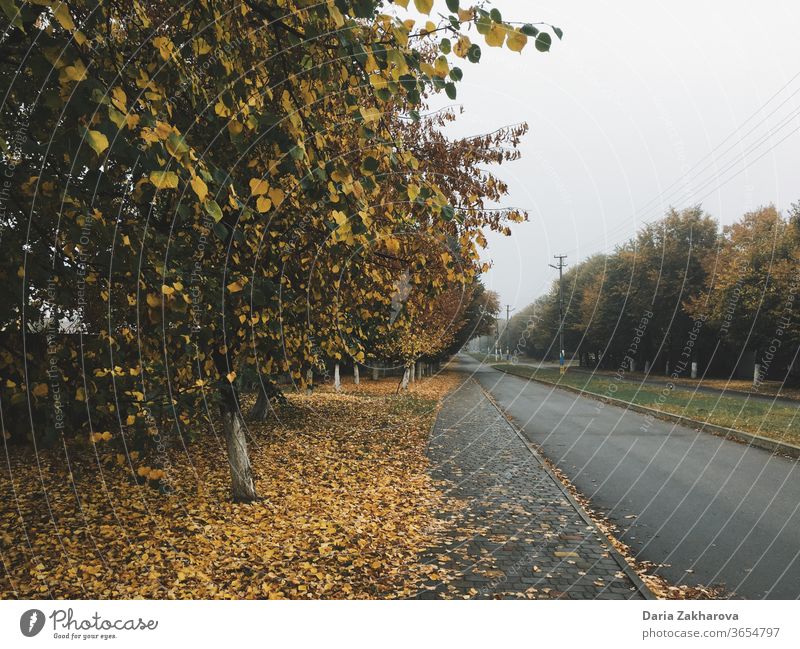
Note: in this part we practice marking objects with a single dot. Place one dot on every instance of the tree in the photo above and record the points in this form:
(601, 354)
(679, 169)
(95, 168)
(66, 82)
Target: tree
(175, 174)
(750, 285)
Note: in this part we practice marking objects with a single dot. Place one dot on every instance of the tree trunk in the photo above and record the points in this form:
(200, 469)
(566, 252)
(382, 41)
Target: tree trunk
(261, 407)
(756, 373)
(309, 381)
(243, 489)
(337, 381)
(420, 367)
(356, 377)
(413, 371)
(375, 372)
(404, 384)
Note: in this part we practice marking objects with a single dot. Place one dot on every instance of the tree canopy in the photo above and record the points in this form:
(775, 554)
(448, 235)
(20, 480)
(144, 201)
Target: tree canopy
(196, 190)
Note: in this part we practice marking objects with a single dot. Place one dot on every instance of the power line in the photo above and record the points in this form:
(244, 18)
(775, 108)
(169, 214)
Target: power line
(664, 193)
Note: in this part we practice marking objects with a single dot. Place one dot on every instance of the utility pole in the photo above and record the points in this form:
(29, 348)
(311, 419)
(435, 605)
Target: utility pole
(508, 320)
(560, 269)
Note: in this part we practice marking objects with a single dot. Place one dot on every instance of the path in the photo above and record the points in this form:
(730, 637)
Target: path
(519, 535)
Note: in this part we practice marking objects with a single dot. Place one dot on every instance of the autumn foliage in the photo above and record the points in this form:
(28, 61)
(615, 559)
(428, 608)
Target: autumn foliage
(201, 192)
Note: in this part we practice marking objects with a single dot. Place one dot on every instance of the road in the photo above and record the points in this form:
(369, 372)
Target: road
(713, 511)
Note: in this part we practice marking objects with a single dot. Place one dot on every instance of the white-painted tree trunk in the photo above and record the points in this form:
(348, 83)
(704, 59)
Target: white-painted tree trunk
(413, 372)
(404, 384)
(356, 377)
(242, 487)
(420, 370)
(375, 372)
(647, 367)
(756, 374)
(309, 381)
(337, 381)
(694, 369)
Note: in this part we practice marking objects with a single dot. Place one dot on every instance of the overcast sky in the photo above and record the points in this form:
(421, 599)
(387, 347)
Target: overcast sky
(633, 97)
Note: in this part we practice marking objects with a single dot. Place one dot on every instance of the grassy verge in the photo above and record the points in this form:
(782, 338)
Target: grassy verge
(777, 421)
(347, 507)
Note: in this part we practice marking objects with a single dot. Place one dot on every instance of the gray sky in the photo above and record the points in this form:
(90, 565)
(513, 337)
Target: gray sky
(634, 96)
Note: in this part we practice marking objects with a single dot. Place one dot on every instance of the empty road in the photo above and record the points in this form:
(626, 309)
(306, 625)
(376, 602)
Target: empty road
(715, 512)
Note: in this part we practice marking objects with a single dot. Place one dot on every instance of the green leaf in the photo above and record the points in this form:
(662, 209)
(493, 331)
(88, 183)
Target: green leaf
(213, 209)
(370, 164)
(11, 11)
(543, 41)
(496, 15)
(452, 5)
(444, 45)
(450, 89)
(474, 53)
(558, 32)
(456, 74)
(448, 213)
(529, 30)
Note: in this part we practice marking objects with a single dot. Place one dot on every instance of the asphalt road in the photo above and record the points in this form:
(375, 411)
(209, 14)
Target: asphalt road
(713, 511)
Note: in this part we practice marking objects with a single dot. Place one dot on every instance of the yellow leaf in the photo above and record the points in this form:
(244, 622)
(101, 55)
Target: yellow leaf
(462, 46)
(153, 300)
(516, 40)
(76, 72)
(221, 109)
(164, 46)
(118, 98)
(40, 390)
(276, 195)
(235, 287)
(496, 35)
(200, 188)
(63, 16)
(164, 179)
(167, 290)
(413, 192)
(258, 186)
(377, 81)
(424, 6)
(263, 204)
(338, 19)
(371, 114)
(231, 377)
(97, 141)
(115, 116)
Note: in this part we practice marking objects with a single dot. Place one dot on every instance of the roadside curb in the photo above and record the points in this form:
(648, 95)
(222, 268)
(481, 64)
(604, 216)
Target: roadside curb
(623, 564)
(729, 433)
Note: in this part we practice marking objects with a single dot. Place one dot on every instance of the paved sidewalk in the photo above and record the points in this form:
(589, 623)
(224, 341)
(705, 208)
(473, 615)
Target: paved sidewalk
(518, 535)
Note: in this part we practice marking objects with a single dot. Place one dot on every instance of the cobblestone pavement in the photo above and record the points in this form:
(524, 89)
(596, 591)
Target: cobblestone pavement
(517, 534)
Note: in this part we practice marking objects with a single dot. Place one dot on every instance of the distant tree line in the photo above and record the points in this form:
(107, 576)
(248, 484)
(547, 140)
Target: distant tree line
(682, 291)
